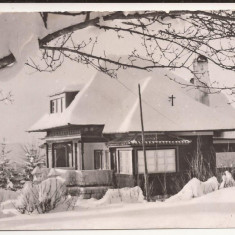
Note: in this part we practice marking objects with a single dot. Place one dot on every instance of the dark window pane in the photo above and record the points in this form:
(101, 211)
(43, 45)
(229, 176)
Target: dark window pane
(98, 159)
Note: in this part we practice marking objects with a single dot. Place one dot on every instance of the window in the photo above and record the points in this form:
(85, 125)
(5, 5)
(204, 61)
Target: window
(53, 106)
(62, 155)
(101, 159)
(113, 162)
(97, 159)
(125, 162)
(158, 161)
(62, 104)
(57, 105)
(106, 160)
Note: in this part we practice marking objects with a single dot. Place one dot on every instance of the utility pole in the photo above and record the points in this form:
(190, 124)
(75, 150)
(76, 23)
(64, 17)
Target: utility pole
(144, 151)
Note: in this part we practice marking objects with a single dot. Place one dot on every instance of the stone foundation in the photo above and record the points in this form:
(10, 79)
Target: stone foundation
(88, 192)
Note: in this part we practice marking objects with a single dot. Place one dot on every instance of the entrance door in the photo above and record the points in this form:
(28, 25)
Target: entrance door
(62, 153)
(61, 156)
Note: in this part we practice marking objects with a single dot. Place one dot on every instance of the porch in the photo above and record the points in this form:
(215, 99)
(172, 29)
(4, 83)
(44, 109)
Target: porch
(84, 183)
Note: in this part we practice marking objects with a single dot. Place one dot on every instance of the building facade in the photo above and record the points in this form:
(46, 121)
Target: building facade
(98, 128)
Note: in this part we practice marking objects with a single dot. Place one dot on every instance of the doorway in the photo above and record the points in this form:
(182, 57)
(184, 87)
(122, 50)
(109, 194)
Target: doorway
(62, 154)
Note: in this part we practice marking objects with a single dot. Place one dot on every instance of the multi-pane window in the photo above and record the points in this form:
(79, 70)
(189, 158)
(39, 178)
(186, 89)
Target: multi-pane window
(158, 161)
(58, 105)
(125, 162)
(97, 159)
(101, 159)
(106, 160)
(53, 106)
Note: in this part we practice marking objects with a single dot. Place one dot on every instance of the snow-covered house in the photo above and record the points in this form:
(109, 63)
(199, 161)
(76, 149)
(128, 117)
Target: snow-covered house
(97, 127)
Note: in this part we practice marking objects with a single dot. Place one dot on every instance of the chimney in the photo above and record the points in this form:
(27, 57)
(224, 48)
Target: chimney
(201, 77)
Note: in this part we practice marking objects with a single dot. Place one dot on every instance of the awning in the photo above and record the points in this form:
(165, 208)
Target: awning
(222, 140)
(150, 139)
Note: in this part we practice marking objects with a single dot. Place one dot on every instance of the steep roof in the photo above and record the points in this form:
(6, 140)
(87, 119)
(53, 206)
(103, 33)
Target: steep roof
(114, 103)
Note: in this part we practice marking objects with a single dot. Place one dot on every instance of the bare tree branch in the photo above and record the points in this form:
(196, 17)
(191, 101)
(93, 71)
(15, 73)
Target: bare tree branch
(168, 40)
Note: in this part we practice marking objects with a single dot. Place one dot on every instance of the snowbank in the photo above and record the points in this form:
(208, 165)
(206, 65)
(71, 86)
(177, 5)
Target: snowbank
(9, 204)
(3, 215)
(126, 195)
(195, 188)
(7, 195)
(227, 180)
(113, 196)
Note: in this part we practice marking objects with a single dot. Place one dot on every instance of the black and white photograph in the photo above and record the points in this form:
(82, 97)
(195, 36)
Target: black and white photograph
(117, 117)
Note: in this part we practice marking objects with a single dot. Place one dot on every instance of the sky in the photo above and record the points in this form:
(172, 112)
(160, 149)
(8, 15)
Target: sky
(31, 89)
(30, 98)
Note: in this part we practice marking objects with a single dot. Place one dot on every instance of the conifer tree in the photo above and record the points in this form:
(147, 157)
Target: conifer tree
(34, 156)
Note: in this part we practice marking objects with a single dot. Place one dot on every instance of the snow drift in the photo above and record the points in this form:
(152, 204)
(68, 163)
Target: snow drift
(195, 188)
(126, 195)
(227, 180)
(7, 195)
(114, 196)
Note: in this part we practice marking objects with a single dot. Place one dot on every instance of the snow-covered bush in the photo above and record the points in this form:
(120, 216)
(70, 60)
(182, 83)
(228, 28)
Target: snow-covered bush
(227, 180)
(195, 188)
(52, 192)
(28, 198)
(42, 197)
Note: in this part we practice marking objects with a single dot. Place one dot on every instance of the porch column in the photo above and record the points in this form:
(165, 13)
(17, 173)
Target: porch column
(49, 155)
(79, 156)
(75, 155)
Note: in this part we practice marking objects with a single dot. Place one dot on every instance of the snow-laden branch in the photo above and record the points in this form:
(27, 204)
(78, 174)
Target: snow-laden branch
(167, 40)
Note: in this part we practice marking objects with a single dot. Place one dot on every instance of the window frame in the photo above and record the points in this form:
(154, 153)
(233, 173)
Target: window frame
(57, 105)
(98, 151)
(131, 161)
(105, 155)
(161, 148)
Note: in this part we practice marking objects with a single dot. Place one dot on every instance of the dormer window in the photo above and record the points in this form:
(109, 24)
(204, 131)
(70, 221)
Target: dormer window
(60, 100)
(57, 105)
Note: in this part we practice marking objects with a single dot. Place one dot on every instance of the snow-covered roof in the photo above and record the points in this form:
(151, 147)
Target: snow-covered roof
(114, 103)
(151, 139)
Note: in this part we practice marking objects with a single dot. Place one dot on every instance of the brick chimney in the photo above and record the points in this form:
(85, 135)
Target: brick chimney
(201, 77)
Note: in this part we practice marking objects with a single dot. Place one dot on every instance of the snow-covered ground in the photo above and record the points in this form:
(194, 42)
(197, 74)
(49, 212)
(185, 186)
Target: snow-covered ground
(214, 210)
